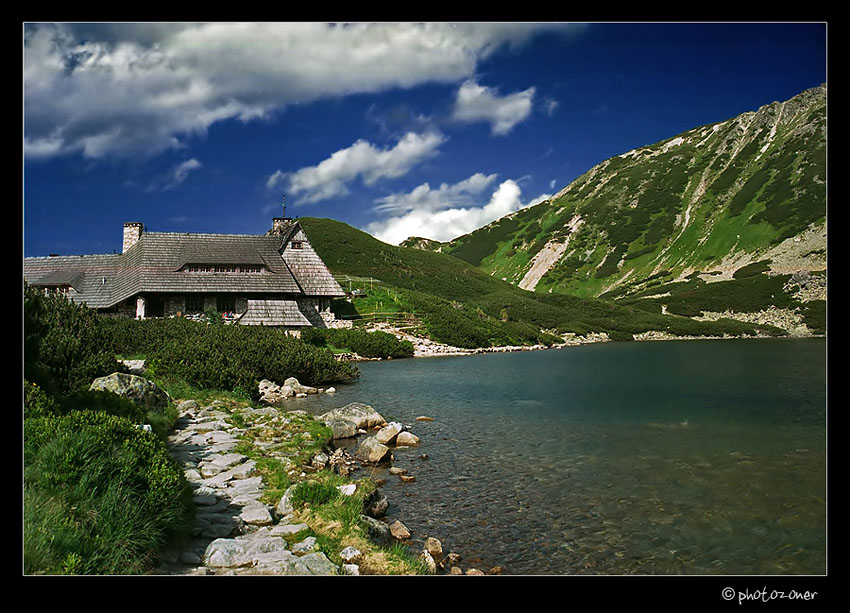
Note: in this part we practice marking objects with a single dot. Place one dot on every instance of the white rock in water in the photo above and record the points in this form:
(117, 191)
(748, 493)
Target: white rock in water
(407, 439)
(399, 530)
(371, 451)
(342, 428)
(361, 415)
(433, 546)
(388, 433)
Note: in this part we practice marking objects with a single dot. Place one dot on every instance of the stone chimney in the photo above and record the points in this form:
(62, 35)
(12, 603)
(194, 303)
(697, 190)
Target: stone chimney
(279, 224)
(132, 233)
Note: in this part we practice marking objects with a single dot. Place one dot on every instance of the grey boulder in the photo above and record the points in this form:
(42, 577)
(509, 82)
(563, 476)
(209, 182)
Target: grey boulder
(144, 393)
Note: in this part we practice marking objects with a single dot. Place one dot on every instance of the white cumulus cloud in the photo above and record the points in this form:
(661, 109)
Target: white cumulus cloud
(105, 90)
(476, 102)
(425, 218)
(362, 160)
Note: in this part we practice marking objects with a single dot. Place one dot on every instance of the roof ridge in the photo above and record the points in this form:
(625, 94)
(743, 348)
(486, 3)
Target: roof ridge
(289, 227)
(83, 255)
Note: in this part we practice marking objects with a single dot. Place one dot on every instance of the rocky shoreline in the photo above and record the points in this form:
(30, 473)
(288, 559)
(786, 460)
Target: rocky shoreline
(236, 533)
(425, 348)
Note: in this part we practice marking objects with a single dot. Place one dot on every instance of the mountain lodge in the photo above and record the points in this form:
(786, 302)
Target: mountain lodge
(276, 279)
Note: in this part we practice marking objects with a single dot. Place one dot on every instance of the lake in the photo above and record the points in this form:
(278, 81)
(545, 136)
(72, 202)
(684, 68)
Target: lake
(680, 457)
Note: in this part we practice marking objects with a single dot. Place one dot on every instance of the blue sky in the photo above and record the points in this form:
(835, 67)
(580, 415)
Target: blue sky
(397, 129)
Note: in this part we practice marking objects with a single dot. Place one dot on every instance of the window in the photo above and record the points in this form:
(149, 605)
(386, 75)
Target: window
(297, 244)
(224, 268)
(225, 304)
(194, 304)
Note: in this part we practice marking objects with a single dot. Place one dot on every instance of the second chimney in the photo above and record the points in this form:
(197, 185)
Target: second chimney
(132, 233)
(280, 224)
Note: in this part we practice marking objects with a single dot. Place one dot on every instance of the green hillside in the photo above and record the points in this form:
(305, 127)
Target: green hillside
(707, 202)
(460, 305)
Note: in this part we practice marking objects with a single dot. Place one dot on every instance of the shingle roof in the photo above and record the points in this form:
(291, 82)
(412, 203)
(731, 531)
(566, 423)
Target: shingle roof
(157, 264)
(273, 313)
(309, 269)
(91, 276)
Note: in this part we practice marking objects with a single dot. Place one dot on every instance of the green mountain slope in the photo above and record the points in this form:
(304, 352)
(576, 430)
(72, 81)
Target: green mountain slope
(460, 305)
(707, 202)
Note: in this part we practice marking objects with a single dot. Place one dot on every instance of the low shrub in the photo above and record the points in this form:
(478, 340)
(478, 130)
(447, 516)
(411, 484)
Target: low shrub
(36, 402)
(64, 348)
(369, 344)
(814, 316)
(230, 358)
(750, 270)
(103, 402)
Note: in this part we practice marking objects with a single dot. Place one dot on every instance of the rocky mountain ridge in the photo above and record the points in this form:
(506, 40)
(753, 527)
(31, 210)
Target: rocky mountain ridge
(707, 202)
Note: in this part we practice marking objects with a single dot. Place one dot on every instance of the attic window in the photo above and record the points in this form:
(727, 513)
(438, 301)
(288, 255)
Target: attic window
(224, 268)
(297, 244)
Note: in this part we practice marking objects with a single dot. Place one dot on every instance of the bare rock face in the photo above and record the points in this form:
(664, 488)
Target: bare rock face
(141, 391)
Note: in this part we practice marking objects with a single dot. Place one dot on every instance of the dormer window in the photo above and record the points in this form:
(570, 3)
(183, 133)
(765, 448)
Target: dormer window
(297, 244)
(224, 268)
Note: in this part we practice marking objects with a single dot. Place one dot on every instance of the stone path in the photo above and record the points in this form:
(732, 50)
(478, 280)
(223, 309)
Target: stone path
(234, 532)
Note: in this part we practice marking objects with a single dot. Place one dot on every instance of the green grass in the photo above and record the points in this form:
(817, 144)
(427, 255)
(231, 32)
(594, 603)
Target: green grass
(101, 497)
(465, 307)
